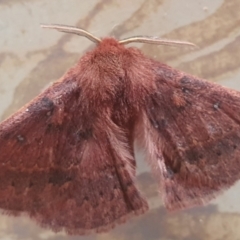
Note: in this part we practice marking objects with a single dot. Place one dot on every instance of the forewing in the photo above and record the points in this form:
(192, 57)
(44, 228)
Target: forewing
(60, 166)
(191, 129)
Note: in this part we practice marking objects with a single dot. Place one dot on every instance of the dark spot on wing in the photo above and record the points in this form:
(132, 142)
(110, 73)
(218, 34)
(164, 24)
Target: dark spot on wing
(192, 83)
(219, 153)
(192, 156)
(84, 134)
(185, 80)
(78, 136)
(86, 198)
(50, 128)
(45, 104)
(60, 177)
(30, 184)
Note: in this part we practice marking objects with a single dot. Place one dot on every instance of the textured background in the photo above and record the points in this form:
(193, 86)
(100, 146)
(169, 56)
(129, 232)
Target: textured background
(31, 58)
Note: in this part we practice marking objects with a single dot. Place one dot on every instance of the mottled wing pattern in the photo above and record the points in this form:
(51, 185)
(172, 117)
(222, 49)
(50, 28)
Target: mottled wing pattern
(192, 132)
(60, 167)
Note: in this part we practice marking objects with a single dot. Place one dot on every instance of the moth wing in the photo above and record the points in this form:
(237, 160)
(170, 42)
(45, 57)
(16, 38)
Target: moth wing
(191, 129)
(62, 168)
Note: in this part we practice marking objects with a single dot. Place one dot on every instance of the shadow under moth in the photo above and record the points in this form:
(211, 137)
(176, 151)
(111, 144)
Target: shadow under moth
(67, 157)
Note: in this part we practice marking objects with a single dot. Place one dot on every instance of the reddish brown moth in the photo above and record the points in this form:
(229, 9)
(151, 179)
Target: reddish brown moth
(67, 157)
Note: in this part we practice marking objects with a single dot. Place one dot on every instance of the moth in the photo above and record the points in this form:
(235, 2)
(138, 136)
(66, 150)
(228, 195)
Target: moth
(67, 157)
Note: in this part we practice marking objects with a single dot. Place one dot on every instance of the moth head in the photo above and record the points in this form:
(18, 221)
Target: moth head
(139, 39)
